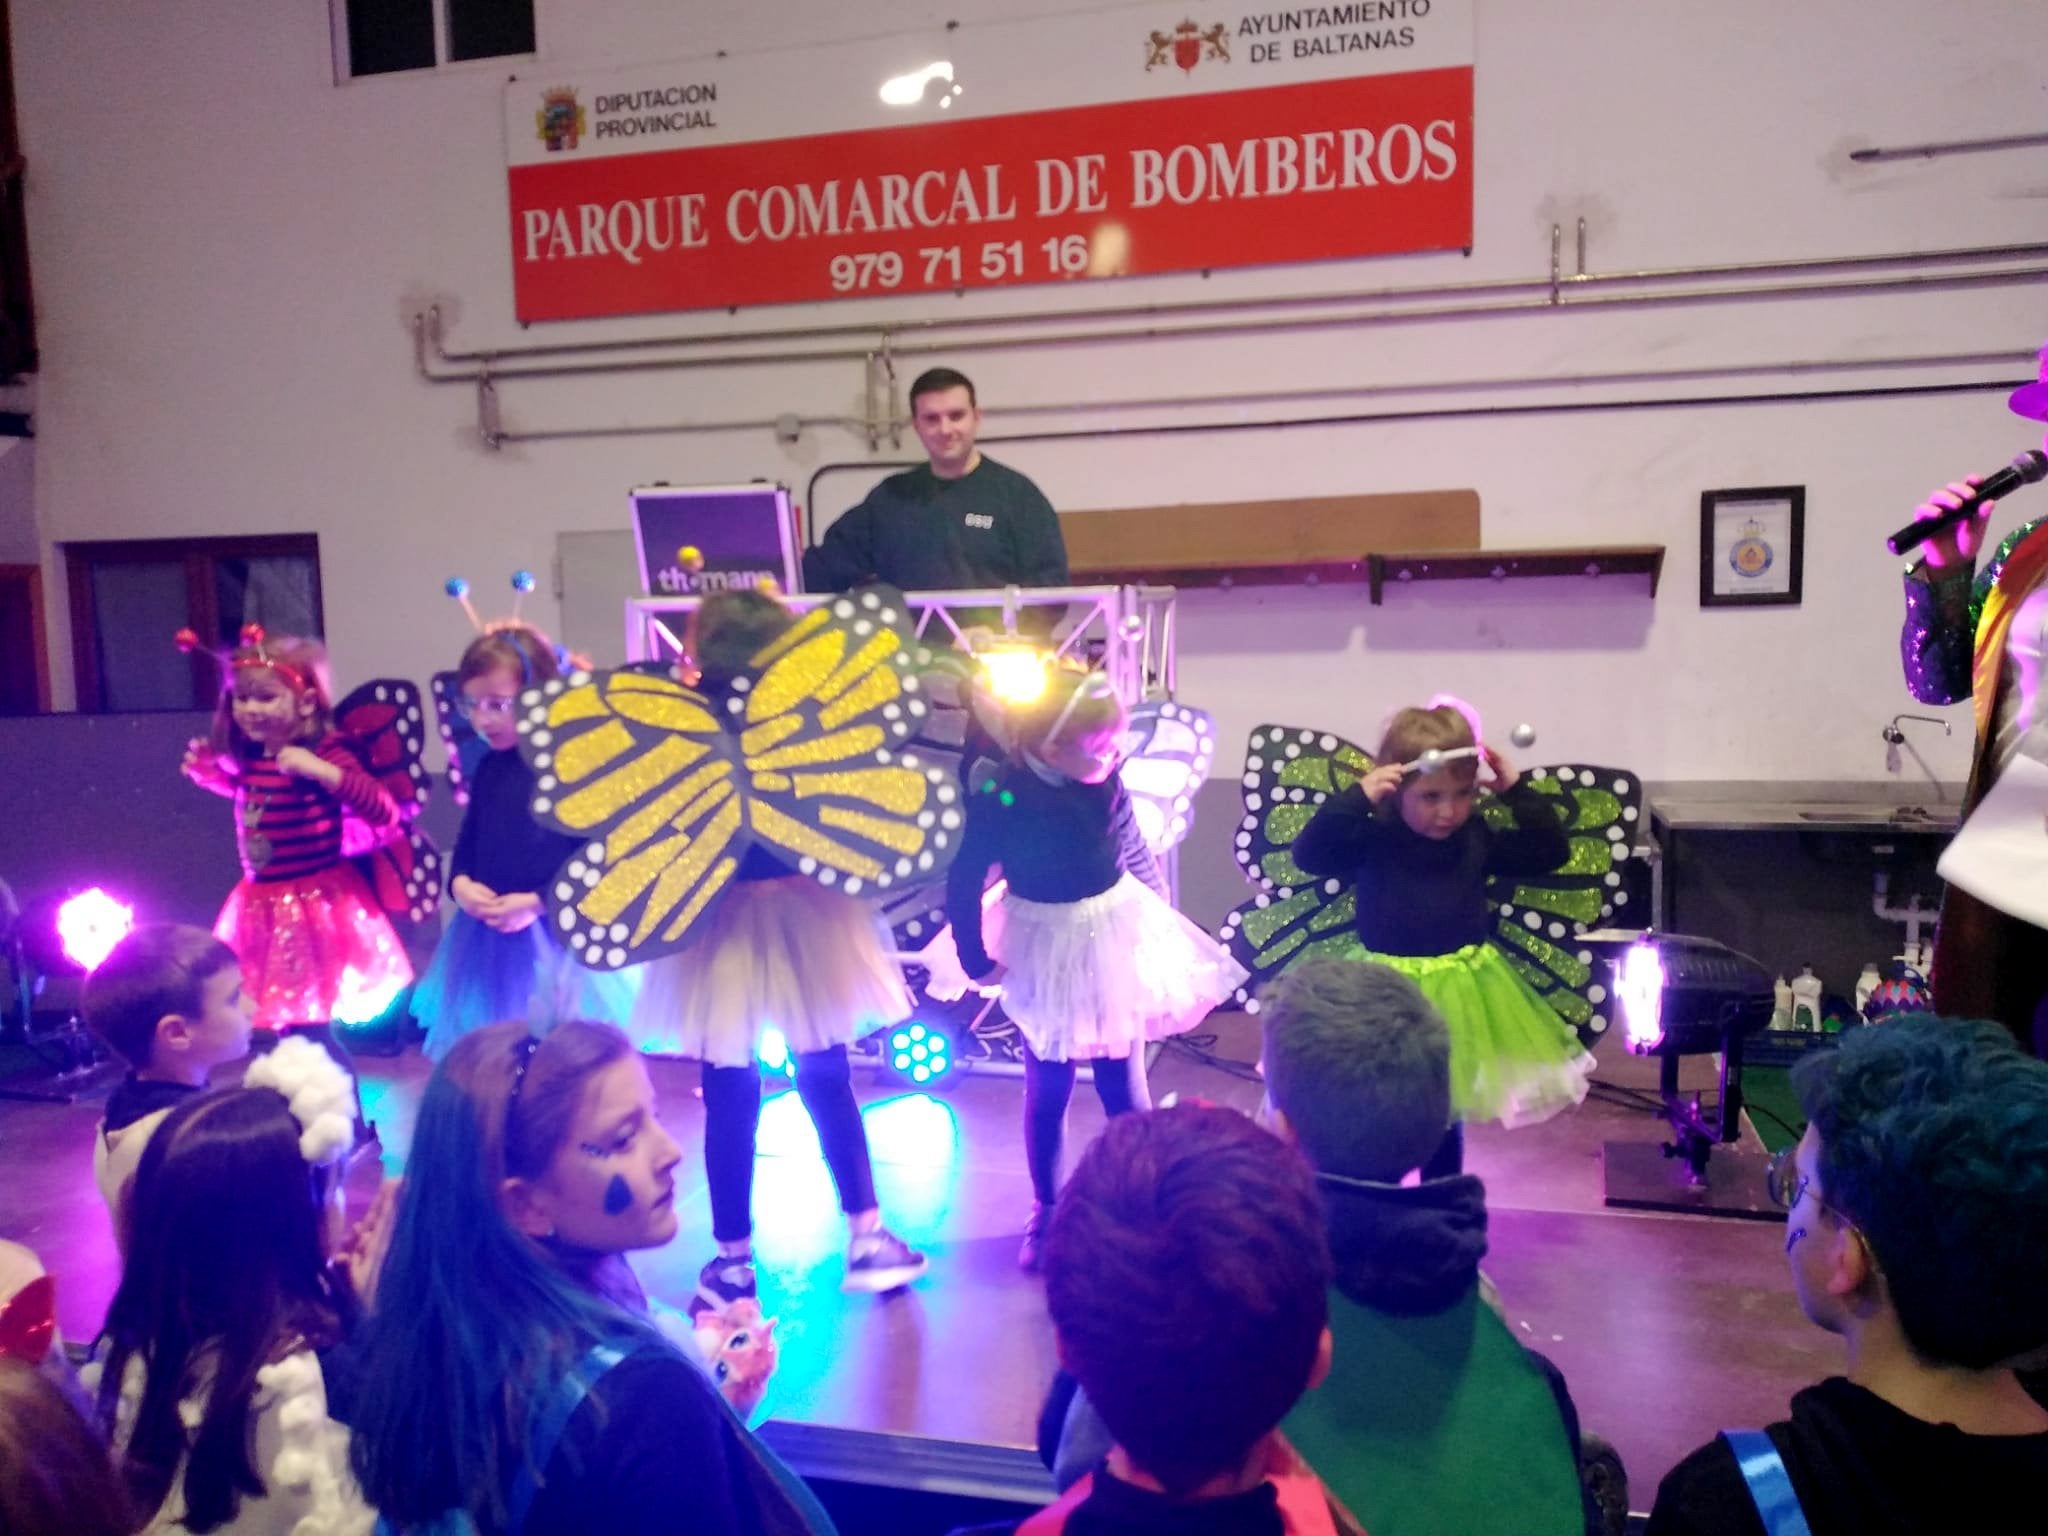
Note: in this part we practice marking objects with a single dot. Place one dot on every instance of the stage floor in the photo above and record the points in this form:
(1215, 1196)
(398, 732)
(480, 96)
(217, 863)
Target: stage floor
(1667, 1327)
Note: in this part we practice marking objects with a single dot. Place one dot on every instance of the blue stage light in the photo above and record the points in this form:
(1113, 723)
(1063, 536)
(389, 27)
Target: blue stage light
(776, 1059)
(920, 1051)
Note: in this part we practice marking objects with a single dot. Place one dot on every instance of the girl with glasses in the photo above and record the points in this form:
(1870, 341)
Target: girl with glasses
(496, 960)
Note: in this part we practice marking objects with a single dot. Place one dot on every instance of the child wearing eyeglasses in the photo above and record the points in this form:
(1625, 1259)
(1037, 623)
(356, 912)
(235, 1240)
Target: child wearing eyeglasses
(497, 960)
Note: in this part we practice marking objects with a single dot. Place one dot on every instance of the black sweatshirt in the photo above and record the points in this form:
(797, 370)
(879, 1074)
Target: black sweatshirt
(1422, 895)
(990, 528)
(1055, 842)
(1864, 1468)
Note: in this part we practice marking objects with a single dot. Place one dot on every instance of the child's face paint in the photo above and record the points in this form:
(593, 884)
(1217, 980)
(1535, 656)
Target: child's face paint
(267, 708)
(612, 1187)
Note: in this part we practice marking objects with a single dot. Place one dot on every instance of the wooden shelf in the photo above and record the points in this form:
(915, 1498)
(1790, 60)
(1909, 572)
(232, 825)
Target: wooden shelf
(1164, 574)
(1589, 560)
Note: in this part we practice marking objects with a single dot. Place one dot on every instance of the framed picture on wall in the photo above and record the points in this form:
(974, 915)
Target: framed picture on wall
(1752, 546)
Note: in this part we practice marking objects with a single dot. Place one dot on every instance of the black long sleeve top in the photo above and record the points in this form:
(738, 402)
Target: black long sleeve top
(500, 844)
(1420, 895)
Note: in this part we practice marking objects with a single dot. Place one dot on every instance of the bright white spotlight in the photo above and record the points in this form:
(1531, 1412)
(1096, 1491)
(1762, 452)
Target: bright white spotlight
(1016, 674)
(908, 90)
(1640, 986)
(774, 1052)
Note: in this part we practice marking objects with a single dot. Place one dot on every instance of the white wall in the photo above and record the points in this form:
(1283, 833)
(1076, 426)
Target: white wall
(227, 247)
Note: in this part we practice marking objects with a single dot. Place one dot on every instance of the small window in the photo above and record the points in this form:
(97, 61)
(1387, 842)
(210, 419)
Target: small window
(383, 37)
(130, 598)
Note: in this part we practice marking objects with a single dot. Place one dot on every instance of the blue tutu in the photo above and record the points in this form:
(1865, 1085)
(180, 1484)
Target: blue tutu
(480, 976)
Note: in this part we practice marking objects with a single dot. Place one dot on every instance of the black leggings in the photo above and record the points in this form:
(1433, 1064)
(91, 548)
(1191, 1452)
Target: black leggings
(732, 1114)
(1049, 1085)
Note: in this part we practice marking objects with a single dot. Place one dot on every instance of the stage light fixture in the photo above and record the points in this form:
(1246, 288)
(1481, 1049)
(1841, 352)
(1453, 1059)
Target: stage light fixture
(776, 1057)
(90, 924)
(1017, 674)
(1682, 995)
(920, 1053)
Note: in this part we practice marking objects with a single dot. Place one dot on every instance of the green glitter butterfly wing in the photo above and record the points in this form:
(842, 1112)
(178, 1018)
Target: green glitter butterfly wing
(1537, 921)
(1288, 772)
(1280, 928)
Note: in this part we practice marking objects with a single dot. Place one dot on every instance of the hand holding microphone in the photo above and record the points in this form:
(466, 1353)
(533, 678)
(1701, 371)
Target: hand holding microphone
(1951, 521)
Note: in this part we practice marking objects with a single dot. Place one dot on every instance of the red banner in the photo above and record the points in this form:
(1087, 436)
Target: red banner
(1308, 171)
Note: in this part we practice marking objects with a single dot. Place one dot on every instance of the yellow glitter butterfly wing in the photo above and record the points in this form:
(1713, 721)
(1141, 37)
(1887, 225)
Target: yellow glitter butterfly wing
(823, 716)
(639, 766)
(804, 755)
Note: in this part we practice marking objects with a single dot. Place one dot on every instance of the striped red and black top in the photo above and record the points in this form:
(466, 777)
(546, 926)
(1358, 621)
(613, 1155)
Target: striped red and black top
(287, 828)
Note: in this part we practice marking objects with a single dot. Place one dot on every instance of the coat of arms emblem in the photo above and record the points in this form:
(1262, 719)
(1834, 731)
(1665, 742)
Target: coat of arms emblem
(559, 122)
(1186, 46)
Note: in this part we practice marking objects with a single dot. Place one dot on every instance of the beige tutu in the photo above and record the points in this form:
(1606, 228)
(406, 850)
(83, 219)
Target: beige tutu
(785, 954)
(1097, 977)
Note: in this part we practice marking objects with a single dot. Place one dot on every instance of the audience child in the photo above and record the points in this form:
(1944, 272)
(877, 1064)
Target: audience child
(1187, 1278)
(1916, 1231)
(213, 1389)
(511, 1376)
(55, 1479)
(169, 1001)
(1434, 1419)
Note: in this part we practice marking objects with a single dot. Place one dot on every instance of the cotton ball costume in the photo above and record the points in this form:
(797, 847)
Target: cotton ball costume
(322, 1096)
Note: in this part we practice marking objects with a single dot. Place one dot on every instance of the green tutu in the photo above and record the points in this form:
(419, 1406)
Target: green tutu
(1512, 1058)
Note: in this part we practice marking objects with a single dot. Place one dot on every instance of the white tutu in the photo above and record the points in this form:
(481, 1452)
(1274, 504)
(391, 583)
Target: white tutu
(783, 953)
(1097, 977)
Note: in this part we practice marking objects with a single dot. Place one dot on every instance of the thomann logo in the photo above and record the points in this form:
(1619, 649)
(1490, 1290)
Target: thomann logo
(677, 581)
(559, 122)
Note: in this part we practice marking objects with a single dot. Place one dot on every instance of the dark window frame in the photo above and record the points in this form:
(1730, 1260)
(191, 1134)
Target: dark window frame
(202, 602)
(17, 294)
(443, 25)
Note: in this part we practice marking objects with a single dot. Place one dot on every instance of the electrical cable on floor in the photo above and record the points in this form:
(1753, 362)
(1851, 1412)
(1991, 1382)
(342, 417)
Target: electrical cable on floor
(1196, 1046)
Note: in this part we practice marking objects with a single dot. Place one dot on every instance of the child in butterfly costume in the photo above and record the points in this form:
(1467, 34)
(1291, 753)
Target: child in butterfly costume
(497, 960)
(727, 829)
(1405, 834)
(312, 937)
(1092, 961)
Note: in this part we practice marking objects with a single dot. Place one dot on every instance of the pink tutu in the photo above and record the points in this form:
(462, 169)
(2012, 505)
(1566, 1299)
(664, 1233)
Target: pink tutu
(315, 950)
(1097, 977)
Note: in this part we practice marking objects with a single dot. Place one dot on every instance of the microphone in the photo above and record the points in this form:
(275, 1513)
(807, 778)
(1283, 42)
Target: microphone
(2025, 470)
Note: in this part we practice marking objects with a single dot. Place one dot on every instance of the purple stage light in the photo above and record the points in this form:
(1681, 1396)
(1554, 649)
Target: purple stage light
(1640, 986)
(90, 924)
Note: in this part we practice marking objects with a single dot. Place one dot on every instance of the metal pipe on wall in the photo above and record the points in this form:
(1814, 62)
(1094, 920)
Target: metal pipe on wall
(1166, 309)
(1229, 328)
(1239, 399)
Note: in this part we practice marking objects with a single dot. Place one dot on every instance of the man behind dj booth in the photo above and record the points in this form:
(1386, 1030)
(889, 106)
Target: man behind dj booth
(958, 522)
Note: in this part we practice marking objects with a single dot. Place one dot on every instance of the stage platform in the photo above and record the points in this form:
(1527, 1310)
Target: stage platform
(1668, 1328)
